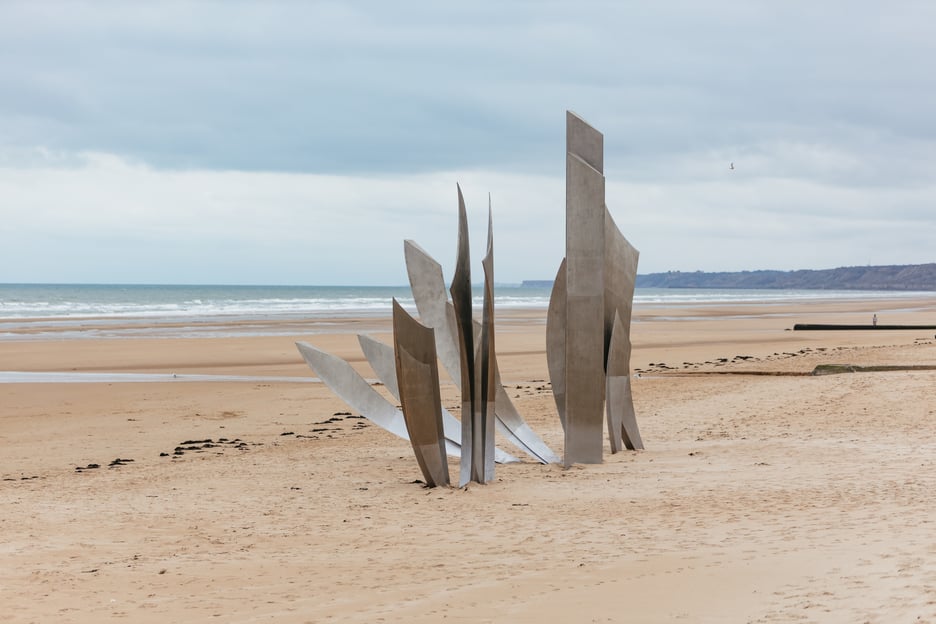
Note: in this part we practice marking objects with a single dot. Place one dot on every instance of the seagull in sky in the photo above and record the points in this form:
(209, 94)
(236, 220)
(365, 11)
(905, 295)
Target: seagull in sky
(731, 166)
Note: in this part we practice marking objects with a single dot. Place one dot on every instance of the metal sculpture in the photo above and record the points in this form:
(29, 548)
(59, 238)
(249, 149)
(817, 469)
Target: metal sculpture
(584, 305)
(418, 380)
(619, 403)
(620, 274)
(486, 380)
(555, 340)
(428, 287)
(477, 463)
(461, 299)
(588, 344)
(588, 321)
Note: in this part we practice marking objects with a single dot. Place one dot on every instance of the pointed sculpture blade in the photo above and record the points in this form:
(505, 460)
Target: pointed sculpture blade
(461, 300)
(484, 404)
(428, 286)
(584, 340)
(418, 380)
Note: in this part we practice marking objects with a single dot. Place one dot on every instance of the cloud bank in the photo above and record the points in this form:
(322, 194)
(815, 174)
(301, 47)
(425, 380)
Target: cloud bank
(286, 142)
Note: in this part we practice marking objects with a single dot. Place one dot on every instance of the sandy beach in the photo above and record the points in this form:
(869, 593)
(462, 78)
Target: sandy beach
(765, 494)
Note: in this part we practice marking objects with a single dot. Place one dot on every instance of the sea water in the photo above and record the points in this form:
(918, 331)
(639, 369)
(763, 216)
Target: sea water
(93, 310)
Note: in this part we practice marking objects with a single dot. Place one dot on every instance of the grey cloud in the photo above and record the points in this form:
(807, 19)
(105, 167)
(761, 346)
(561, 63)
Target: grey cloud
(825, 109)
(387, 87)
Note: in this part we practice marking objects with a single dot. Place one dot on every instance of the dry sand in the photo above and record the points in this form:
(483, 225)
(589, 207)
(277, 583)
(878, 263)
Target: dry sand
(760, 498)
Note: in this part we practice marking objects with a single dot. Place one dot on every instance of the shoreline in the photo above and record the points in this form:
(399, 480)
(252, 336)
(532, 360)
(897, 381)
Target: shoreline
(323, 322)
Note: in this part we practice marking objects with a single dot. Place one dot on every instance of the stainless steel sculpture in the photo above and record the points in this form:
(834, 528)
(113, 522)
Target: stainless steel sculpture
(588, 350)
(555, 340)
(428, 287)
(620, 274)
(584, 330)
(486, 380)
(477, 462)
(587, 343)
(418, 381)
(619, 403)
(461, 300)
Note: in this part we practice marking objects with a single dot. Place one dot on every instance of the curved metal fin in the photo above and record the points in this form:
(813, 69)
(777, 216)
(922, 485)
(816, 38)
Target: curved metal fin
(485, 376)
(381, 359)
(620, 275)
(461, 299)
(556, 340)
(622, 420)
(426, 281)
(354, 390)
(428, 286)
(418, 380)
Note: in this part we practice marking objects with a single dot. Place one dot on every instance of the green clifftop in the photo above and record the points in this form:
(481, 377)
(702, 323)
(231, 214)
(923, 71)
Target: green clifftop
(897, 277)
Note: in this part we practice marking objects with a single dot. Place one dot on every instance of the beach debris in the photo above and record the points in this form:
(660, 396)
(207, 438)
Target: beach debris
(200, 446)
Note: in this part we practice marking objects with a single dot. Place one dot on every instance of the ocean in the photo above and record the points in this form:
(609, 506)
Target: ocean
(93, 310)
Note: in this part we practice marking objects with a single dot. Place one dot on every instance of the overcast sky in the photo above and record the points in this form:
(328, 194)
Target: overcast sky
(301, 142)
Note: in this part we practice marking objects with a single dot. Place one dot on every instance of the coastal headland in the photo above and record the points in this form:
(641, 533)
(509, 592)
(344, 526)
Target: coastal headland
(762, 496)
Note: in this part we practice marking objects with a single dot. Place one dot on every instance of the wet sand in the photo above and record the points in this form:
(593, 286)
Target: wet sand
(760, 497)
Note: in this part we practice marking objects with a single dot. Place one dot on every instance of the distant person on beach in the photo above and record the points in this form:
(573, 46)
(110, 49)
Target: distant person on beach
(874, 321)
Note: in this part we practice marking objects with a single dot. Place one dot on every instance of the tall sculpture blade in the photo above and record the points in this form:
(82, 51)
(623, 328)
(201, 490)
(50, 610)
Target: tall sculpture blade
(588, 322)
(381, 358)
(418, 378)
(354, 390)
(584, 364)
(461, 299)
(428, 286)
(484, 403)
(555, 340)
(584, 141)
(622, 421)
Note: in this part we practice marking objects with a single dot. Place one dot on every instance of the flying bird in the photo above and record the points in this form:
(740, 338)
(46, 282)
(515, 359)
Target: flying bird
(731, 166)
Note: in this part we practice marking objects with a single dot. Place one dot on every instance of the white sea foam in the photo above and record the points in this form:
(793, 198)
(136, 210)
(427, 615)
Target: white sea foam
(86, 311)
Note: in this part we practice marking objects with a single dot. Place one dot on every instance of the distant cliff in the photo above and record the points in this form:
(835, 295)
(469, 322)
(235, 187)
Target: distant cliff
(898, 277)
